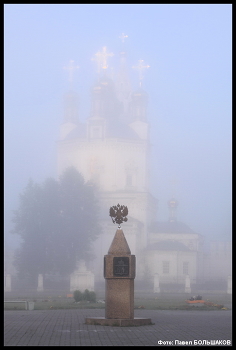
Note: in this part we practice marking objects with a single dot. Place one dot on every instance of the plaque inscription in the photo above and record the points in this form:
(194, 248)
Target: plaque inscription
(121, 266)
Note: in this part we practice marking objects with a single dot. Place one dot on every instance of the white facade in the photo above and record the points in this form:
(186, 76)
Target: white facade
(172, 266)
(114, 164)
(81, 279)
(174, 251)
(112, 150)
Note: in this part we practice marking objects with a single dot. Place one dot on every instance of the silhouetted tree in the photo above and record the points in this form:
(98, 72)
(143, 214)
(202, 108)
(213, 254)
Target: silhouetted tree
(57, 222)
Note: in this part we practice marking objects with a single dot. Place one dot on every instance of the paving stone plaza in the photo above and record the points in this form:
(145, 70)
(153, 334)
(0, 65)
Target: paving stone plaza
(68, 328)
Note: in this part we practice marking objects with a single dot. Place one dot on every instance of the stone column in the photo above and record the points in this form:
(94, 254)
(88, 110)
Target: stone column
(119, 272)
(156, 283)
(229, 285)
(8, 283)
(187, 284)
(40, 283)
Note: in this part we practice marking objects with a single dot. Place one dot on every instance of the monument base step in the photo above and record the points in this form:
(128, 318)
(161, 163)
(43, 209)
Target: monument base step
(118, 322)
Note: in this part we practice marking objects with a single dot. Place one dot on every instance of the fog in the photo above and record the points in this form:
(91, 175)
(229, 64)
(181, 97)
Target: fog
(189, 87)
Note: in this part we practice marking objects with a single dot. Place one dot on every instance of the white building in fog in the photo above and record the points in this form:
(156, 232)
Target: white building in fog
(174, 251)
(112, 149)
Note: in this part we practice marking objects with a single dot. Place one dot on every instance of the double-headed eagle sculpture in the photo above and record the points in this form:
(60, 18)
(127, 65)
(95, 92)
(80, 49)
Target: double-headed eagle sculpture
(118, 214)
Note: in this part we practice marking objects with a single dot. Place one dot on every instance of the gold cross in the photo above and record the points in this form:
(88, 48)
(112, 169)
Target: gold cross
(122, 37)
(71, 68)
(101, 58)
(140, 68)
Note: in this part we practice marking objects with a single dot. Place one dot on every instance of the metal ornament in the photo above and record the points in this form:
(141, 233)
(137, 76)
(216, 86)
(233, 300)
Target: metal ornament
(118, 214)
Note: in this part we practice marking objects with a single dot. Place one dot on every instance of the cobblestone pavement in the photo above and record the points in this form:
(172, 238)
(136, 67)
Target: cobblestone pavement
(67, 328)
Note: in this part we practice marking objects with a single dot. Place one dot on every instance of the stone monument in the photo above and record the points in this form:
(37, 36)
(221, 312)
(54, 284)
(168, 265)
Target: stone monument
(119, 274)
(81, 279)
(40, 283)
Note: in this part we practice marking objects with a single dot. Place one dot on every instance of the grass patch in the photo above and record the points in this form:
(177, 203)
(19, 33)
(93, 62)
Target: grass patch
(64, 304)
(160, 301)
(177, 302)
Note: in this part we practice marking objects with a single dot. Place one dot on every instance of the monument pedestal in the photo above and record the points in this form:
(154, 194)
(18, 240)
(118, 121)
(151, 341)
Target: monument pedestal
(119, 298)
(119, 272)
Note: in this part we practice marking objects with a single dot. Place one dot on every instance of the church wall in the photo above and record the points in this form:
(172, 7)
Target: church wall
(114, 165)
(66, 128)
(108, 163)
(172, 266)
(141, 129)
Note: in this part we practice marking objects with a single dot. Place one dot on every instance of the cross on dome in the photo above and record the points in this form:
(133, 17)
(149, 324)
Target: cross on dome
(71, 69)
(140, 67)
(101, 58)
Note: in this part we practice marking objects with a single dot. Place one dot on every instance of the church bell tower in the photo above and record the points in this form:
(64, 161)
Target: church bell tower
(112, 150)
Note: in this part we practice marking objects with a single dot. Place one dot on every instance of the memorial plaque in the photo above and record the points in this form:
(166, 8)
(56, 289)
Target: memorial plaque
(121, 266)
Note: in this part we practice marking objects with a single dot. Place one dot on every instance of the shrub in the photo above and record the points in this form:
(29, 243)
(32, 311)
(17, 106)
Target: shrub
(89, 296)
(86, 295)
(78, 295)
(92, 297)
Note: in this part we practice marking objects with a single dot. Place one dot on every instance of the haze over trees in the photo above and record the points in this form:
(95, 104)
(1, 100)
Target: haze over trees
(57, 221)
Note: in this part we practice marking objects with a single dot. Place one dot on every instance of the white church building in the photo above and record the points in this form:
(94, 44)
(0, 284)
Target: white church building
(112, 149)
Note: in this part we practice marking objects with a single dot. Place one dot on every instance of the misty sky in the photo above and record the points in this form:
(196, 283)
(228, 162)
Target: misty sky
(189, 82)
